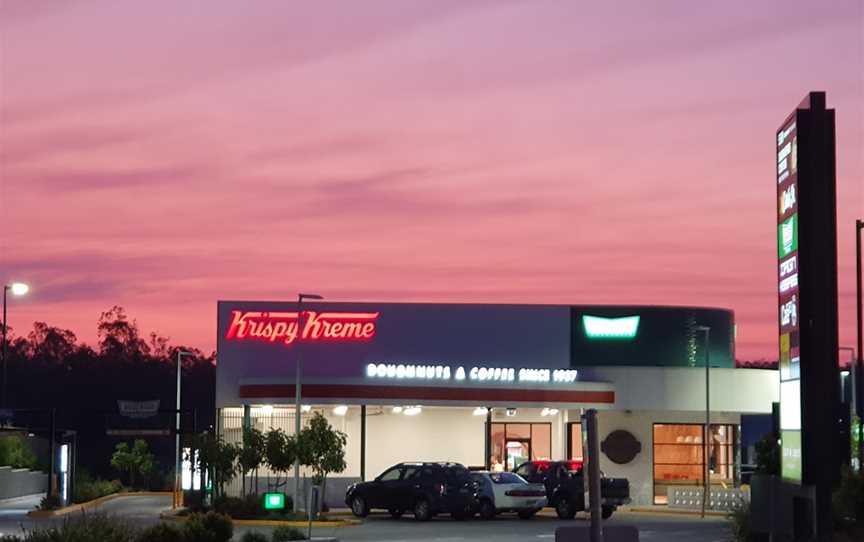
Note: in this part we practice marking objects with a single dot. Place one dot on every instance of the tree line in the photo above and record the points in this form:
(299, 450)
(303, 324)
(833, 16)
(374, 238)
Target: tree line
(49, 368)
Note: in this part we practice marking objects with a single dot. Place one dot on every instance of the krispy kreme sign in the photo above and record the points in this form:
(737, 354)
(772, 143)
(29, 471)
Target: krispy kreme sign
(283, 327)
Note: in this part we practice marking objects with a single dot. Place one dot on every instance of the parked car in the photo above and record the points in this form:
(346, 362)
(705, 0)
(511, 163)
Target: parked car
(565, 487)
(424, 489)
(507, 492)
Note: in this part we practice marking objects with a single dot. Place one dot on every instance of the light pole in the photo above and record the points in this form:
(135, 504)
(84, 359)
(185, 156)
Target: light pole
(297, 406)
(859, 380)
(178, 480)
(17, 289)
(707, 485)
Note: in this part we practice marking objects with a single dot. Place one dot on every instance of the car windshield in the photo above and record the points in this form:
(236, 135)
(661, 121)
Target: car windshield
(507, 478)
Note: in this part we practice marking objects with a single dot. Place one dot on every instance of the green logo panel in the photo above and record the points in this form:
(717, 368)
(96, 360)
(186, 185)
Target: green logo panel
(790, 459)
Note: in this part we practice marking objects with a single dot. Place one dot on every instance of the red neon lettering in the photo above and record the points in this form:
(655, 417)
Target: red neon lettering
(317, 326)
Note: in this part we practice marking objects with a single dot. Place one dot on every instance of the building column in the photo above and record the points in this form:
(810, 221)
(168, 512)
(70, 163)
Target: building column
(362, 443)
(487, 440)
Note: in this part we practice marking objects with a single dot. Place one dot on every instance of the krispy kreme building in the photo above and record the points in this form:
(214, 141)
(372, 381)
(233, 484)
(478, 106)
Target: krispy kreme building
(494, 385)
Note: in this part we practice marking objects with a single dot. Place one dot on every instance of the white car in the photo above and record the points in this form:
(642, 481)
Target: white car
(507, 492)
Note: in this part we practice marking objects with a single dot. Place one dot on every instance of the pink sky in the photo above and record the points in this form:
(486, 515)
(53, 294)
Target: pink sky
(161, 156)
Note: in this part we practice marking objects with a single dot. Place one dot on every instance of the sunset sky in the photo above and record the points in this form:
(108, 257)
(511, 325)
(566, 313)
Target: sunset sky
(163, 155)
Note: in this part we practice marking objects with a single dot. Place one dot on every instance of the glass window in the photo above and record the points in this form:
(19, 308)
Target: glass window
(390, 475)
(576, 442)
(527, 470)
(411, 471)
(541, 441)
(496, 462)
(506, 478)
(518, 430)
(679, 456)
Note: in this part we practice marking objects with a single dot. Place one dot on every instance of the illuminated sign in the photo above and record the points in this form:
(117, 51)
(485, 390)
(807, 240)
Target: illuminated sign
(281, 327)
(400, 371)
(787, 236)
(598, 327)
(787, 285)
(274, 501)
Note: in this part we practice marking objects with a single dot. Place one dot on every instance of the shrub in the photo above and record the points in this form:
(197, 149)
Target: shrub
(87, 528)
(739, 522)
(209, 527)
(252, 536)
(50, 502)
(284, 534)
(161, 532)
(238, 507)
(88, 488)
(848, 500)
(16, 453)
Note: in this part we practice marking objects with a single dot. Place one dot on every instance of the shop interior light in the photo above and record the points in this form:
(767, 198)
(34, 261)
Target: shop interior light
(397, 410)
(266, 410)
(844, 373)
(598, 327)
(413, 410)
(511, 412)
(340, 410)
(481, 411)
(305, 408)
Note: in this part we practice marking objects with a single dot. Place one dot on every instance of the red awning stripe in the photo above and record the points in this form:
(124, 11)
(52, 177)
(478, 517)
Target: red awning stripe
(411, 393)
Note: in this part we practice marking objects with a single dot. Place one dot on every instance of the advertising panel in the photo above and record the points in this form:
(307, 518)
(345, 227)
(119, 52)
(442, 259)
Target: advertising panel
(787, 257)
(807, 294)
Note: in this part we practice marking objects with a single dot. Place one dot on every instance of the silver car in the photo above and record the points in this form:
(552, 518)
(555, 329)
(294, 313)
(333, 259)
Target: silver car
(507, 492)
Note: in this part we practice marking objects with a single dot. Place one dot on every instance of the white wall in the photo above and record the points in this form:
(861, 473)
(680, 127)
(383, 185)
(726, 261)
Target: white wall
(683, 388)
(640, 471)
(437, 434)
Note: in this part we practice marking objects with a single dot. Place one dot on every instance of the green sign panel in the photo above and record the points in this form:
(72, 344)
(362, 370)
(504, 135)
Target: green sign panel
(274, 501)
(787, 236)
(598, 327)
(790, 445)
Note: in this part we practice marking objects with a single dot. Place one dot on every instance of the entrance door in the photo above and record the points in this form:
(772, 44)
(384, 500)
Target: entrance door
(518, 452)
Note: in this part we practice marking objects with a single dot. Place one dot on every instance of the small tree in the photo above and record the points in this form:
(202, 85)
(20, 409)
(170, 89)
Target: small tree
(133, 460)
(251, 454)
(322, 448)
(217, 458)
(280, 451)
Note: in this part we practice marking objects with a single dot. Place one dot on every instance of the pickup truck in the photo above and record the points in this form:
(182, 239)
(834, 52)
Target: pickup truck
(565, 487)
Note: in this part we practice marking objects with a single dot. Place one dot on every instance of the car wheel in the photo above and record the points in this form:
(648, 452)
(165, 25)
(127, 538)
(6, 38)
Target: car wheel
(359, 507)
(607, 511)
(422, 510)
(396, 513)
(527, 514)
(487, 509)
(564, 508)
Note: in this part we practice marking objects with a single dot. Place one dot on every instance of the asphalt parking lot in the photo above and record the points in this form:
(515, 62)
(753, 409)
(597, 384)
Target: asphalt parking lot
(143, 510)
(652, 527)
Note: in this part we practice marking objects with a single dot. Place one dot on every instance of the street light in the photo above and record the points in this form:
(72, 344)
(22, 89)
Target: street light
(859, 380)
(17, 289)
(298, 407)
(707, 485)
(178, 481)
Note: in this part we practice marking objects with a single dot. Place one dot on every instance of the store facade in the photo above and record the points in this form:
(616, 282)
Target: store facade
(494, 385)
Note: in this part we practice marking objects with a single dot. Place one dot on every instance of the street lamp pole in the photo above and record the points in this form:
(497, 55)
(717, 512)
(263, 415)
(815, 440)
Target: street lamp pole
(17, 289)
(706, 494)
(178, 480)
(297, 389)
(859, 373)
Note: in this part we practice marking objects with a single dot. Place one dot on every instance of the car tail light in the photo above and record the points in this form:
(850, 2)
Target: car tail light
(525, 493)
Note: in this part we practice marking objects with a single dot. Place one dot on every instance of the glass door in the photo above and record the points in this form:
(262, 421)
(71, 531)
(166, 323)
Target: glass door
(518, 452)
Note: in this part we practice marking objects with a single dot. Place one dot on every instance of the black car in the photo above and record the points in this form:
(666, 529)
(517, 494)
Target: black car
(565, 487)
(424, 489)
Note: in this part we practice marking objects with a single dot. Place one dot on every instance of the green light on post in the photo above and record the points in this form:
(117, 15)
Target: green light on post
(598, 327)
(274, 501)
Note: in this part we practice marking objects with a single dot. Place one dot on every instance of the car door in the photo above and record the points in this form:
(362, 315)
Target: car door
(402, 496)
(382, 490)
